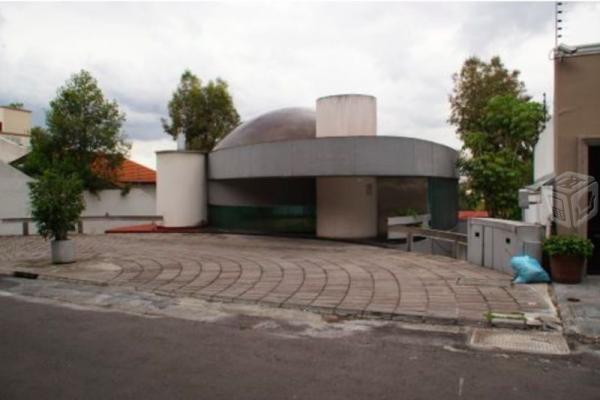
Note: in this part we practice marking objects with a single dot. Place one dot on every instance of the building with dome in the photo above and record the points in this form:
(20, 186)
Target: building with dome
(324, 172)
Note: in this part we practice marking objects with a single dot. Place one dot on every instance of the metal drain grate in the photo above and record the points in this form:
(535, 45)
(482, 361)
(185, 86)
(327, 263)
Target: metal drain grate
(528, 342)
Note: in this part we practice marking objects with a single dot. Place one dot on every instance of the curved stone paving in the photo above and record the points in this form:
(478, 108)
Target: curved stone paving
(307, 274)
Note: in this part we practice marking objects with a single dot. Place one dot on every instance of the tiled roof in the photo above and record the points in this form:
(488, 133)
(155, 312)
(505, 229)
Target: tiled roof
(132, 172)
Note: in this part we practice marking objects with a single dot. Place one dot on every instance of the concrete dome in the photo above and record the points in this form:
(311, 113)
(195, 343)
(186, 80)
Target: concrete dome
(278, 125)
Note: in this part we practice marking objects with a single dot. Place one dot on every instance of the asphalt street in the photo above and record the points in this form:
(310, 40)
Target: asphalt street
(54, 351)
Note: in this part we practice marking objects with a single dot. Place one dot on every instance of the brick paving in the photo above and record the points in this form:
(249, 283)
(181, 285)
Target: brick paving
(322, 276)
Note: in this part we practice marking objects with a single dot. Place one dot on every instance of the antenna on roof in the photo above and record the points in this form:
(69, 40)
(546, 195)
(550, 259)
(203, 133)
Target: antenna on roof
(558, 20)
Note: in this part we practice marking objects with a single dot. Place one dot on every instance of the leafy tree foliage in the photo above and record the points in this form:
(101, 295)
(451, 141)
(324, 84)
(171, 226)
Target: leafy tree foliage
(16, 105)
(498, 158)
(83, 135)
(499, 126)
(475, 85)
(56, 203)
(203, 114)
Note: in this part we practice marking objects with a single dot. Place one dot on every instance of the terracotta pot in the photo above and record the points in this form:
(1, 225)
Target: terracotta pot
(567, 269)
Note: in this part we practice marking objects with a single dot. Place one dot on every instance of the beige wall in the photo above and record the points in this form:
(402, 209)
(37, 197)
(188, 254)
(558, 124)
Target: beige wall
(15, 124)
(576, 108)
(181, 188)
(15, 121)
(576, 113)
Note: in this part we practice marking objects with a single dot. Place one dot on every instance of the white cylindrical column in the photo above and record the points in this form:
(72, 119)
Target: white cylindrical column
(181, 188)
(347, 115)
(346, 206)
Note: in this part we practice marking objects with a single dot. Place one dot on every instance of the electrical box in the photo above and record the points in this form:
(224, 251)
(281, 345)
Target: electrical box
(493, 242)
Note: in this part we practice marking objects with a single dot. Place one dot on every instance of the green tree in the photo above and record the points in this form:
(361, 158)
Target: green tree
(16, 105)
(497, 158)
(56, 203)
(475, 85)
(83, 135)
(203, 114)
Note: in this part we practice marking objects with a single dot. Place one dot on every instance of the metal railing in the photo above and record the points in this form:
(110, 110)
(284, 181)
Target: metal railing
(456, 239)
(26, 221)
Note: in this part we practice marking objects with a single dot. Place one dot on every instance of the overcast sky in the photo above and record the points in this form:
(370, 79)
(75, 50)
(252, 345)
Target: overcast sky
(278, 55)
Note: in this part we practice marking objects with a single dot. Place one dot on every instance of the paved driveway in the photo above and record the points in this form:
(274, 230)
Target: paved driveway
(322, 276)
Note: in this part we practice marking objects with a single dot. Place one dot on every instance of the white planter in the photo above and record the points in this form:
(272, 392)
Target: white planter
(63, 251)
(407, 220)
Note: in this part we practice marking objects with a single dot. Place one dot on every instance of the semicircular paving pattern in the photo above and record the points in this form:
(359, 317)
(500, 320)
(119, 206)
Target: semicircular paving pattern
(315, 275)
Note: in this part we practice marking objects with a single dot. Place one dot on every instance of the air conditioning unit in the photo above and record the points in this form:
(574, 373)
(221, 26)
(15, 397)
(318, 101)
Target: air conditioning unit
(493, 242)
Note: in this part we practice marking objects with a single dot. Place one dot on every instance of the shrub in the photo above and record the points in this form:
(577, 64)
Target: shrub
(568, 245)
(56, 203)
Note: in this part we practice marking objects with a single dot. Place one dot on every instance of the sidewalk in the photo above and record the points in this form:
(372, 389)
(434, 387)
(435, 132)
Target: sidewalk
(579, 307)
(348, 280)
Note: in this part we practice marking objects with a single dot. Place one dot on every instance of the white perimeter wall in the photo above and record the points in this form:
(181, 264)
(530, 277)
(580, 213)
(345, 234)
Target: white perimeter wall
(14, 203)
(139, 201)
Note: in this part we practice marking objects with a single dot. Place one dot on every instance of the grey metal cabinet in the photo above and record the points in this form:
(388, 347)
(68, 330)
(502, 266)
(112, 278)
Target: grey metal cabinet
(493, 242)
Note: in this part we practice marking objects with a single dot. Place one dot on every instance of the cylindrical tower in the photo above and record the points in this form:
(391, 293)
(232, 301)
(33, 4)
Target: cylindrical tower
(181, 188)
(346, 206)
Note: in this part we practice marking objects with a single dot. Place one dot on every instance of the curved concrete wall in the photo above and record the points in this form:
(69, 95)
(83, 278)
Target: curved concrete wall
(181, 188)
(336, 156)
(347, 115)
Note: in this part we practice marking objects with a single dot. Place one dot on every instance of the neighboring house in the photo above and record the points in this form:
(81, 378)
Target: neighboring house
(14, 197)
(15, 129)
(136, 199)
(571, 144)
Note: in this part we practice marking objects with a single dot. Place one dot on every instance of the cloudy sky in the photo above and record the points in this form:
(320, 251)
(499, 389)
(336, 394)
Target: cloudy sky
(278, 54)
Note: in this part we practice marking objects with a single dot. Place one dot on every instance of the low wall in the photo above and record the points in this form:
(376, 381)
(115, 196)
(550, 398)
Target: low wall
(14, 203)
(138, 201)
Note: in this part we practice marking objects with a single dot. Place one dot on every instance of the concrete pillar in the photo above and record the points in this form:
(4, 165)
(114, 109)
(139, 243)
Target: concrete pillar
(346, 206)
(181, 196)
(347, 115)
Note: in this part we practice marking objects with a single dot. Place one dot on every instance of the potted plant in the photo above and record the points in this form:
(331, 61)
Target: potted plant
(567, 257)
(56, 204)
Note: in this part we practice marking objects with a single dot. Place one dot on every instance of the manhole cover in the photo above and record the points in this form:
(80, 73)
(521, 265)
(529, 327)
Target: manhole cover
(527, 342)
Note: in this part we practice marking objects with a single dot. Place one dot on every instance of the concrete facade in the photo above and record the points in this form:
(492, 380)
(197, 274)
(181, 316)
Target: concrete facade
(15, 124)
(15, 128)
(299, 171)
(346, 115)
(346, 207)
(181, 196)
(576, 103)
(335, 156)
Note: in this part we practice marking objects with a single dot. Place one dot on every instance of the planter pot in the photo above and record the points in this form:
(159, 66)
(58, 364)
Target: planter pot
(567, 269)
(63, 251)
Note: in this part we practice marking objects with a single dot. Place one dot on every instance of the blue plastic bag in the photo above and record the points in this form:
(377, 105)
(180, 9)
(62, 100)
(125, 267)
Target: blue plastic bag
(528, 270)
